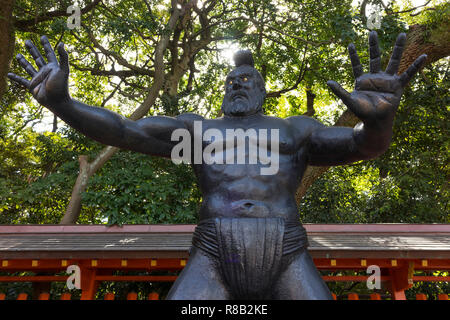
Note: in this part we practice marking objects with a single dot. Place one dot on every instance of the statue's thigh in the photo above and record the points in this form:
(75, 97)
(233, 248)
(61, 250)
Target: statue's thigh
(199, 280)
(301, 281)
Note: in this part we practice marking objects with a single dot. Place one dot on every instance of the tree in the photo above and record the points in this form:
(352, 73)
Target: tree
(409, 183)
(432, 39)
(154, 59)
(6, 42)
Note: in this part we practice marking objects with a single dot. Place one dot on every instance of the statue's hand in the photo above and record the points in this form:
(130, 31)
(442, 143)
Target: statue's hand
(49, 85)
(377, 94)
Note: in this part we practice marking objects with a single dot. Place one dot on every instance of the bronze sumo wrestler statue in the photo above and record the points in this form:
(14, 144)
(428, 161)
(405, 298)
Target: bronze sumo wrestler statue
(249, 243)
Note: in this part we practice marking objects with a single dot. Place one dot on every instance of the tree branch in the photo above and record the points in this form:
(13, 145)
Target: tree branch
(121, 60)
(112, 72)
(412, 9)
(300, 77)
(310, 96)
(276, 94)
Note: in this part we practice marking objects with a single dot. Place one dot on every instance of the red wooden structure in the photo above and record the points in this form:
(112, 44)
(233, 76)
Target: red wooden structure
(398, 249)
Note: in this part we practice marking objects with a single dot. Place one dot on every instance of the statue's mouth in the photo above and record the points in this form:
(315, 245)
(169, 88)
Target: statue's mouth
(238, 95)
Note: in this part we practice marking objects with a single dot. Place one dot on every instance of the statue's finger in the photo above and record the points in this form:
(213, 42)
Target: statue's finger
(51, 57)
(63, 58)
(14, 77)
(42, 74)
(40, 62)
(339, 91)
(356, 65)
(394, 62)
(412, 70)
(26, 65)
(374, 51)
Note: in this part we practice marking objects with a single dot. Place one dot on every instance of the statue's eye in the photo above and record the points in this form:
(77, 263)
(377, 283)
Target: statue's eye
(231, 82)
(245, 79)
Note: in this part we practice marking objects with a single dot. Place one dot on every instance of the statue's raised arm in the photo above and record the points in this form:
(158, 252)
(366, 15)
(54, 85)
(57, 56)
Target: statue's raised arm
(374, 101)
(49, 87)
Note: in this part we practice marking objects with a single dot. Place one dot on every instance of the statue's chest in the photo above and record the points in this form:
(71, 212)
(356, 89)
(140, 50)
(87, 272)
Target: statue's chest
(246, 141)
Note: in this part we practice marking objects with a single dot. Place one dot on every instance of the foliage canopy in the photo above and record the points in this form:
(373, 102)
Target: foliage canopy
(298, 46)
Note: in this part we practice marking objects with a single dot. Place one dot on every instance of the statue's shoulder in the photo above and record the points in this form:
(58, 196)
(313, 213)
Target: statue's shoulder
(189, 117)
(304, 122)
(304, 126)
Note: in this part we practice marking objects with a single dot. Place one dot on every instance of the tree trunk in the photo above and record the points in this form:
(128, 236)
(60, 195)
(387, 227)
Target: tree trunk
(435, 43)
(7, 41)
(310, 96)
(74, 207)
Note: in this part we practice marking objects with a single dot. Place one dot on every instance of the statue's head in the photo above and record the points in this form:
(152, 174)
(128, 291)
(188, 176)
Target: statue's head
(244, 87)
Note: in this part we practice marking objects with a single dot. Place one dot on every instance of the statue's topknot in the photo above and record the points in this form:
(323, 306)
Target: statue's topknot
(243, 57)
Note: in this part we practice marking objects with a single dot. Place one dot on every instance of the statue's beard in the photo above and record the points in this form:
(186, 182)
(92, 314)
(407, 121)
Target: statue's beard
(242, 106)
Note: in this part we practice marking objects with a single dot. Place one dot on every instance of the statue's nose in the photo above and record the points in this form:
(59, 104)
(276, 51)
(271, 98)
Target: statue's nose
(236, 86)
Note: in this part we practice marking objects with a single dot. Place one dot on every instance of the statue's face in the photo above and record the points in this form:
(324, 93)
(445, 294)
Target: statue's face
(243, 96)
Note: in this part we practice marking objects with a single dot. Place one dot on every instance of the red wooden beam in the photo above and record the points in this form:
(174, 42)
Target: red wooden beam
(137, 278)
(352, 278)
(33, 278)
(154, 278)
(431, 278)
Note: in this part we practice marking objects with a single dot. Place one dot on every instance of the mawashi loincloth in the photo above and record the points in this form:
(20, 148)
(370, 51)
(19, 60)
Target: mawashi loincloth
(249, 251)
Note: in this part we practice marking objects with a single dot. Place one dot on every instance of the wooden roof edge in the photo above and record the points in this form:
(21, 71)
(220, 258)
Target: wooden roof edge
(189, 228)
(378, 228)
(97, 228)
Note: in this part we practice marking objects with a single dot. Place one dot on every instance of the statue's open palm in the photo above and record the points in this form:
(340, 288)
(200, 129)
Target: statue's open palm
(49, 85)
(377, 94)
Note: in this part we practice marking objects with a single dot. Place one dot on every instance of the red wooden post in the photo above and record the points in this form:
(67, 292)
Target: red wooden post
(153, 296)
(441, 296)
(421, 296)
(375, 296)
(22, 296)
(2, 296)
(399, 282)
(334, 296)
(88, 284)
(65, 296)
(132, 296)
(398, 294)
(109, 296)
(44, 296)
(353, 296)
